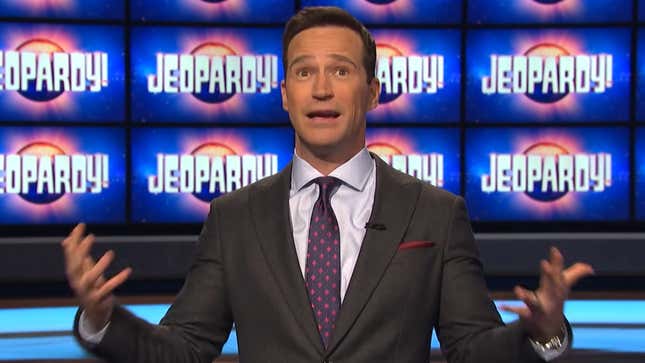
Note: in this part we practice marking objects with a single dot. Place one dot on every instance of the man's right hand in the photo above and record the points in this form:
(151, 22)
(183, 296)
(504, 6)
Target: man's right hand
(86, 277)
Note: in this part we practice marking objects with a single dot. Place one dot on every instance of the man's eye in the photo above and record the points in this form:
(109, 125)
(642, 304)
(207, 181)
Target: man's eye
(342, 72)
(302, 73)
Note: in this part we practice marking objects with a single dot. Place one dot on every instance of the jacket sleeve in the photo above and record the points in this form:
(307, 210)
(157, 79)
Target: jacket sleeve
(469, 327)
(195, 327)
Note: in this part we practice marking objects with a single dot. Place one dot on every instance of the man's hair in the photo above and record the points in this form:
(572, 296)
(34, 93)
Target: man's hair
(317, 16)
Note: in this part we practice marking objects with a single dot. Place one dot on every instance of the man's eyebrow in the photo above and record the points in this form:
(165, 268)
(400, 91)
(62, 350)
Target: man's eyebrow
(299, 59)
(342, 58)
(335, 56)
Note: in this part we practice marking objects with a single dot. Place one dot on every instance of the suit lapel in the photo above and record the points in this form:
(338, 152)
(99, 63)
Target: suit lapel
(270, 211)
(394, 202)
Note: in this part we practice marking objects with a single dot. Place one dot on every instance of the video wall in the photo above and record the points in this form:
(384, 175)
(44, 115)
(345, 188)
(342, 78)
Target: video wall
(133, 113)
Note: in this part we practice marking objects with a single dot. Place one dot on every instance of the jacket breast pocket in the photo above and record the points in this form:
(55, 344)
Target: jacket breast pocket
(416, 253)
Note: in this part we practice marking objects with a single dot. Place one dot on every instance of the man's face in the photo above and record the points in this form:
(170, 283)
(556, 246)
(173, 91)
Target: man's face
(326, 91)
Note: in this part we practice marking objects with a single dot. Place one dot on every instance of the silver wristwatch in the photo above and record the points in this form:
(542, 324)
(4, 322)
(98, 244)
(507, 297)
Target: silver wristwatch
(553, 344)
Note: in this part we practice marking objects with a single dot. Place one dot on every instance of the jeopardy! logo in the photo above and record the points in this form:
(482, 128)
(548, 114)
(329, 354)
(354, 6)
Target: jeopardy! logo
(42, 172)
(426, 167)
(213, 72)
(546, 73)
(400, 74)
(210, 170)
(547, 171)
(41, 70)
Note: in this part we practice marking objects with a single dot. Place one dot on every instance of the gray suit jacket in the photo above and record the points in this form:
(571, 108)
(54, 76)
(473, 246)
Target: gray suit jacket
(246, 272)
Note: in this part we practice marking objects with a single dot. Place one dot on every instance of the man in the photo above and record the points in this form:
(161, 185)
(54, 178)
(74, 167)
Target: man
(338, 258)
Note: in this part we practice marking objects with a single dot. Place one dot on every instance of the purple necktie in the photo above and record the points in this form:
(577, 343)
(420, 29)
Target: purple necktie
(322, 271)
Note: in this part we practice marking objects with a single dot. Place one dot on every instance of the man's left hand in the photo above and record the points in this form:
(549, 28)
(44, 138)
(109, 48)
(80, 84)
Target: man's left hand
(543, 315)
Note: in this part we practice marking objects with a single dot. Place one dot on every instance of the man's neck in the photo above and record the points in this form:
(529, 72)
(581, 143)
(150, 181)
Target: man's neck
(325, 163)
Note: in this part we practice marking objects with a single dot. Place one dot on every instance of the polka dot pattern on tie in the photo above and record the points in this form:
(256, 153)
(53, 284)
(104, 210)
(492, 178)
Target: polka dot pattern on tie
(322, 270)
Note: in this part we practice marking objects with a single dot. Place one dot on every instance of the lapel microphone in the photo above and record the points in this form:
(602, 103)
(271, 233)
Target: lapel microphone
(375, 226)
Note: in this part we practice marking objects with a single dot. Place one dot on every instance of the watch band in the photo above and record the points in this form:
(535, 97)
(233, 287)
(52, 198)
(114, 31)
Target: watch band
(554, 343)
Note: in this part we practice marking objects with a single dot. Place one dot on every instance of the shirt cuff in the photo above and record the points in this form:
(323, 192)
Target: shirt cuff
(551, 354)
(86, 333)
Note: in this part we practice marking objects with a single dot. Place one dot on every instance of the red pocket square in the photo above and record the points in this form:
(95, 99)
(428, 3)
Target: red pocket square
(415, 244)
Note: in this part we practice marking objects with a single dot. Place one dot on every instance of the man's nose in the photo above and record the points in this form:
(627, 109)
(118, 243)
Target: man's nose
(322, 88)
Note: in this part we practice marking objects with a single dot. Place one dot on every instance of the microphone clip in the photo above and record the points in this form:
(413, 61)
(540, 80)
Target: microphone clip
(375, 226)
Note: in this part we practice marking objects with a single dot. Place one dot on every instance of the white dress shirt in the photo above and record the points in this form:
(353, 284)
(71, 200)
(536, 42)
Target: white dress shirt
(352, 204)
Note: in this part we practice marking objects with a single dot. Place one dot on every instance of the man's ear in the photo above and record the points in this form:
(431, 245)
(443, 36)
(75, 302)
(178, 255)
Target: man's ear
(283, 91)
(375, 92)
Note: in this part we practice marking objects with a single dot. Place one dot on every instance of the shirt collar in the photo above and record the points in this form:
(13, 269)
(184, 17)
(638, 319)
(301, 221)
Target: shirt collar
(354, 172)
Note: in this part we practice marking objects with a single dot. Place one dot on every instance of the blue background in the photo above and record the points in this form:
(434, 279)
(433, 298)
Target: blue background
(415, 11)
(164, 107)
(106, 105)
(423, 28)
(105, 207)
(640, 173)
(243, 10)
(516, 11)
(148, 142)
(79, 9)
(640, 76)
(611, 204)
(442, 106)
(612, 105)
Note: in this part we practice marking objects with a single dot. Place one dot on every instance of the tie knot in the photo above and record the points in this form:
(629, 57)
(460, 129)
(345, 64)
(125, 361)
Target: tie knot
(327, 185)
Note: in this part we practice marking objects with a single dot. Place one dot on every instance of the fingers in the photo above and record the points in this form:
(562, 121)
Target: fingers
(551, 271)
(93, 280)
(552, 280)
(555, 276)
(576, 272)
(556, 259)
(99, 301)
(101, 295)
(117, 280)
(82, 272)
(77, 232)
(75, 248)
(530, 298)
(522, 311)
(77, 265)
(556, 283)
(76, 260)
(84, 247)
(570, 276)
(87, 265)
(97, 292)
(542, 310)
(70, 243)
(546, 280)
(86, 277)
(531, 305)
(91, 276)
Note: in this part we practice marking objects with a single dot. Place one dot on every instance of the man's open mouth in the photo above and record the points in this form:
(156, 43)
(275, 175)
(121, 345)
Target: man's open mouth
(323, 114)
